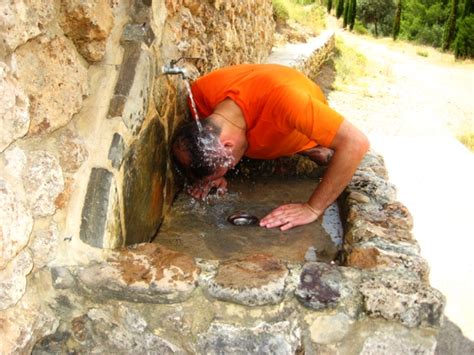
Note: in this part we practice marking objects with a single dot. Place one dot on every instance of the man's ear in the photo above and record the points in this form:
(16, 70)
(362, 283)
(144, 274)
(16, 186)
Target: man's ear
(228, 143)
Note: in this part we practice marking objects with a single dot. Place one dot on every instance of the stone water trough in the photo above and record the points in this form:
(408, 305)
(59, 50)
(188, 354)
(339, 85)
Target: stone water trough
(370, 294)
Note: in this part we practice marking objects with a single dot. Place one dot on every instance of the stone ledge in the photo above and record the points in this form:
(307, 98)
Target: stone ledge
(253, 281)
(144, 273)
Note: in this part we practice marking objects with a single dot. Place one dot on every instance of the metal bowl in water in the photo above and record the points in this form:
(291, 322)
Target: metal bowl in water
(242, 219)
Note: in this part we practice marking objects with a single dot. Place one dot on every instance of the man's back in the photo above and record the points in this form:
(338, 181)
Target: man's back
(285, 112)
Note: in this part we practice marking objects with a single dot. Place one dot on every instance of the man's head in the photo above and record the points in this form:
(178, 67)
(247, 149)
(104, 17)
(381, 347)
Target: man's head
(200, 154)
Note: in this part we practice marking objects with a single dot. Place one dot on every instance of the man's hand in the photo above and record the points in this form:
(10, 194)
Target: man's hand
(289, 216)
(201, 189)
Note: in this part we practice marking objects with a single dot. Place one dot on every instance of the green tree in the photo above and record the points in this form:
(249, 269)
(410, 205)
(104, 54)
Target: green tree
(376, 12)
(464, 42)
(353, 14)
(329, 6)
(396, 22)
(340, 8)
(450, 26)
(347, 6)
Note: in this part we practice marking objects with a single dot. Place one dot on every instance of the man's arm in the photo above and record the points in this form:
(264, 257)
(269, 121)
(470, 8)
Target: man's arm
(350, 146)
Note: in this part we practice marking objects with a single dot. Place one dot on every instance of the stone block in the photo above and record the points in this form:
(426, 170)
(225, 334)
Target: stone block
(138, 32)
(16, 161)
(375, 163)
(14, 104)
(55, 80)
(389, 343)
(100, 224)
(319, 286)
(265, 338)
(88, 24)
(117, 151)
(21, 20)
(144, 180)
(133, 88)
(373, 256)
(16, 223)
(26, 323)
(252, 281)
(391, 216)
(328, 329)
(43, 181)
(372, 185)
(62, 278)
(13, 279)
(146, 273)
(364, 231)
(72, 151)
(106, 330)
(400, 296)
(44, 245)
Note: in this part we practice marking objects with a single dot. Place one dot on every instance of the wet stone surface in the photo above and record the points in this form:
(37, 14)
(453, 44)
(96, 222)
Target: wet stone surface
(201, 229)
(253, 281)
(144, 169)
(319, 286)
(146, 273)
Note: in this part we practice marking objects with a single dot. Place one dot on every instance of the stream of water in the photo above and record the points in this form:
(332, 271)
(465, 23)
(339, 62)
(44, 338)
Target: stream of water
(193, 104)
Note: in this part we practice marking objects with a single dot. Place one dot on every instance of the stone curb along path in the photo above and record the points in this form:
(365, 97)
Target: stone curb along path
(379, 298)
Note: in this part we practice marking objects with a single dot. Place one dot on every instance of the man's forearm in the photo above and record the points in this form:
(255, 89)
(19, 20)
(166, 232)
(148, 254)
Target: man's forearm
(349, 147)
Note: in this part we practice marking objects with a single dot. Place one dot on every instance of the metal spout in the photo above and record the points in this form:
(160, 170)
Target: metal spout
(170, 69)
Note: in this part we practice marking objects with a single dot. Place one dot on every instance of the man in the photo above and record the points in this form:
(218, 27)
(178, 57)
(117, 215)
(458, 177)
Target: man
(265, 111)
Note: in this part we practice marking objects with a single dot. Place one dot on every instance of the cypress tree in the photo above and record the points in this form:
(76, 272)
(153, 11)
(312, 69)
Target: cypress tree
(464, 42)
(352, 16)
(329, 6)
(450, 26)
(347, 7)
(396, 22)
(340, 8)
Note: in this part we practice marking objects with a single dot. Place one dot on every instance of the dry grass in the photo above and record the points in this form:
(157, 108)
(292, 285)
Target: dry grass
(350, 65)
(311, 16)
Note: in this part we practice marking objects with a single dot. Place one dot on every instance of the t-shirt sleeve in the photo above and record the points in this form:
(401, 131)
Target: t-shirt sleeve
(309, 115)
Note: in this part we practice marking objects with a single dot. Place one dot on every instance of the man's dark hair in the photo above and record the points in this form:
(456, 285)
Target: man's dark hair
(200, 150)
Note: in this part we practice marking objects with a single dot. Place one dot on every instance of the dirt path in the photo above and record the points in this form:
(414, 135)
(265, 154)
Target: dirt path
(411, 106)
(405, 93)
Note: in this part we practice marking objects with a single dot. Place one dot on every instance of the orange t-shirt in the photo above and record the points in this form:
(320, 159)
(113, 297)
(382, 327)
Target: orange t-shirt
(285, 112)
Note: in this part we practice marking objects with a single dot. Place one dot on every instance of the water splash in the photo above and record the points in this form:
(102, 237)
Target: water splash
(193, 104)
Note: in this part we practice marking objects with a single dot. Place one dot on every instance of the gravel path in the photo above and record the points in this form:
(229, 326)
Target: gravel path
(411, 106)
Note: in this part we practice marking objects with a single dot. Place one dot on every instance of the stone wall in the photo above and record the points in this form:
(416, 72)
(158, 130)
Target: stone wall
(86, 116)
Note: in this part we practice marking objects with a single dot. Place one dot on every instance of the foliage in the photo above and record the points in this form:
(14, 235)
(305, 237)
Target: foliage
(396, 21)
(280, 12)
(468, 140)
(305, 2)
(352, 14)
(312, 15)
(329, 7)
(340, 8)
(422, 21)
(349, 65)
(464, 42)
(378, 13)
(345, 15)
(450, 25)
(359, 28)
